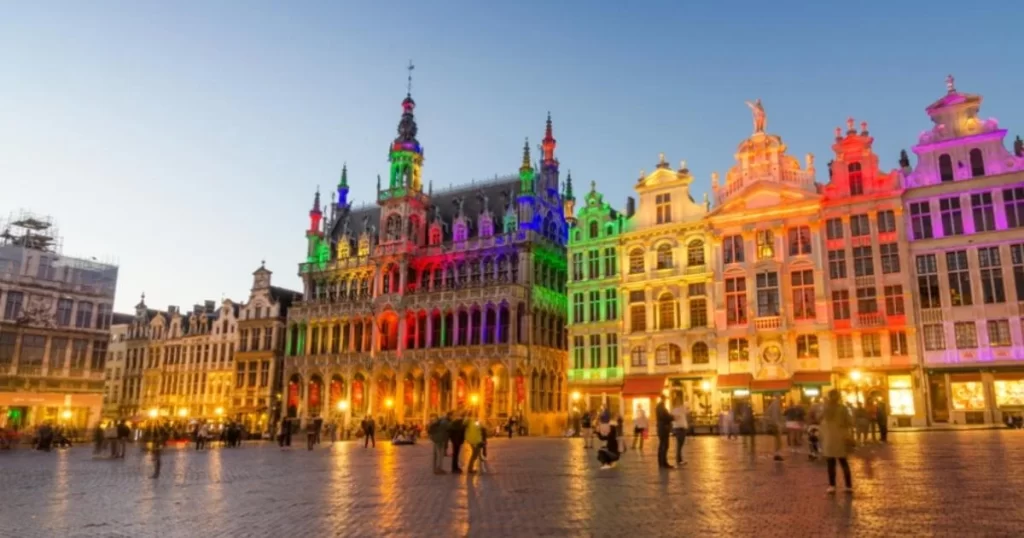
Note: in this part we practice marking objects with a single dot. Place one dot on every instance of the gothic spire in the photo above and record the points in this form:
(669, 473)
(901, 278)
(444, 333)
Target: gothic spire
(407, 125)
(549, 143)
(526, 157)
(316, 202)
(568, 187)
(344, 176)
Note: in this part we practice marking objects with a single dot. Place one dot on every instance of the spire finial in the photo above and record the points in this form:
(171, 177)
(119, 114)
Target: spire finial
(408, 90)
(568, 186)
(263, 264)
(950, 84)
(316, 200)
(849, 124)
(526, 155)
(344, 175)
(593, 186)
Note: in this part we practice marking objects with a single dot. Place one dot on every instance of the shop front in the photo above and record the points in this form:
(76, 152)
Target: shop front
(1008, 389)
(641, 393)
(21, 411)
(975, 397)
(734, 391)
(696, 390)
(894, 388)
(811, 385)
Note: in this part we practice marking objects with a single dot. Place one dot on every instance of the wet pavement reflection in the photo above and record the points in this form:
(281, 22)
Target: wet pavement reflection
(955, 483)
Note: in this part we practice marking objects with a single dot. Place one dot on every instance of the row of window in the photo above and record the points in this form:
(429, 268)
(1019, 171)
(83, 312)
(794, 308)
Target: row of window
(983, 214)
(867, 302)
(594, 263)
(864, 261)
(63, 353)
(860, 225)
(798, 241)
(664, 258)
(608, 359)
(965, 334)
(189, 384)
(85, 316)
(156, 357)
(606, 310)
(256, 339)
(245, 374)
(958, 276)
(669, 355)
(667, 315)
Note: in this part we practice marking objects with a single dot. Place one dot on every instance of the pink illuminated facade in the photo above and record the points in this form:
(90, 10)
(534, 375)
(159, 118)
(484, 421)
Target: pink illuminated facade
(964, 212)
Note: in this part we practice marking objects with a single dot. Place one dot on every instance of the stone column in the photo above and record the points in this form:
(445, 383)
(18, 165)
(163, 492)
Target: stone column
(400, 397)
(513, 324)
(455, 328)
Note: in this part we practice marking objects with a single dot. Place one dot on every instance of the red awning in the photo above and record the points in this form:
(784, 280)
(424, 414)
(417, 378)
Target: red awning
(734, 381)
(648, 385)
(770, 385)
(812, 378)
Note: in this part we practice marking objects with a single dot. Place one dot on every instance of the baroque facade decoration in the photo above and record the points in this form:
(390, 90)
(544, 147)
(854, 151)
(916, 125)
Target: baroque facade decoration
(431, 302)
(964, 203)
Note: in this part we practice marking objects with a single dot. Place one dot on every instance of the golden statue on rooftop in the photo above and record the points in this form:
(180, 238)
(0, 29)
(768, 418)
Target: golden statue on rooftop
(760, 118)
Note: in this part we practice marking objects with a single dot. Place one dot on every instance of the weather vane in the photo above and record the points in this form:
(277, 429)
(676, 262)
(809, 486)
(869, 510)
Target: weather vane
(410, 68)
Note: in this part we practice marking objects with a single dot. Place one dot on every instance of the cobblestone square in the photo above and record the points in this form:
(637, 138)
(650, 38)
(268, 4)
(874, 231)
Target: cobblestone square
(941, 483)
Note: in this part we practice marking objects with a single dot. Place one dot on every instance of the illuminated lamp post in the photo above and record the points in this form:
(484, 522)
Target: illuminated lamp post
(705, 390)
(856, 376)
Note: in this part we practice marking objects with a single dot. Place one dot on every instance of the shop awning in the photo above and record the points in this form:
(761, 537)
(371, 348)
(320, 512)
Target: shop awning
(648, 385)
(812, 378)
(734, 381)
(771, 385)
(1007, 376)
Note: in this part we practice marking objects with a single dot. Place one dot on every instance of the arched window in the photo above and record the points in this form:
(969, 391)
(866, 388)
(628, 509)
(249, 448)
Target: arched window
(393, 228)
(667, 312)
(977, 163)
(576, 236)
(461, 232)
(856, 179)
(664, 256)
(435, 235)
(636, 261)
(593, 229)
(695, 253)
(699, 354)
(945, 167)
(668, 354)
(637, 357)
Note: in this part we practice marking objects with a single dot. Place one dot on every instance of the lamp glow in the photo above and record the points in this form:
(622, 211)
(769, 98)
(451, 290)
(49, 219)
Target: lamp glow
(153, 413)
(66, 414)
(389, 403)
(342, 405)
(576, 396)
(219, 411)
(855, 376)
(705, 385)
(474, 398)
(183, 412)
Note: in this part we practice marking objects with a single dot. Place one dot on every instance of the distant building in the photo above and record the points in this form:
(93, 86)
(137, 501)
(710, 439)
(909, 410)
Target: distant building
(114, 377)
(55, 328)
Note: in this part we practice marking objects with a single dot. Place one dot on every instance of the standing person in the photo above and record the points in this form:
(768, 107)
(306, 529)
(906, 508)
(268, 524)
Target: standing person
(835, 437)
(860, 417)
(110, 437)
(882, 416)
(369, 431)
(311, 434)
(730, 423)
(332, 429)
(680, 425)
(619, 425)
(795, 418)
(588, 430)
(438, 433)
(747, 429)
(318, 424)
(123, 433)
(159, 440)
(475, 440)
(640, 428)
(97, 439)
(872, 416)
(457, 435)
(663, 419)
(773, 421)
(285, 435)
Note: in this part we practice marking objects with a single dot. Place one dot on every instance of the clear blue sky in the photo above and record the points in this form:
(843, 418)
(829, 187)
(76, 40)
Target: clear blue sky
(186, 138)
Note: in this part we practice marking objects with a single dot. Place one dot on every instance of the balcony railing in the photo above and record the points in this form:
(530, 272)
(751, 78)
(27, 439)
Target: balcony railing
(873, 319)
(76, 372)
(696, 269)
(931, 315)
(767, 322)
(30, 370)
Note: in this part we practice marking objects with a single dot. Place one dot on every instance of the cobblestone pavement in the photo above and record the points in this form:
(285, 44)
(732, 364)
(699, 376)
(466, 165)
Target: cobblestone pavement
(947, 484)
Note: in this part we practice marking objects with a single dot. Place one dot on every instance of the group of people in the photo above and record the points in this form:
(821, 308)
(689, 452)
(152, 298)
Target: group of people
(111, 436)
(458, 428)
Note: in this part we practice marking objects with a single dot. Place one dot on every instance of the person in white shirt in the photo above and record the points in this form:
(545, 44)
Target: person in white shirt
(680, 425)
(639, 429)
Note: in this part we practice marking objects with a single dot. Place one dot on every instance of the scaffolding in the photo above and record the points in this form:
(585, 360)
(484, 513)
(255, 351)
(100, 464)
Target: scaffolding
(31, 231)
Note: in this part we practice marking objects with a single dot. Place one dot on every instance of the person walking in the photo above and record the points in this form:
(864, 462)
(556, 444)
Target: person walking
(795, 419)
(861, 422)
(438, 433)
(882, 416)
(457, 435)
(284, 438)
(369, 431)
(475, 440)
(311, 434)
(159, 440)
(835, 437)
(332, 430)
(123, 433)
(588, 430)
(639, 429)
(680, 425)
(663, 419)
(773, 422)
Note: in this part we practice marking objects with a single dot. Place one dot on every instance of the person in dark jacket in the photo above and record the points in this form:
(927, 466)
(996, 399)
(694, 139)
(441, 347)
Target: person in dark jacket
(664, 425)
(457, 435)
(369, 430)
(609, 454)
(882, 411)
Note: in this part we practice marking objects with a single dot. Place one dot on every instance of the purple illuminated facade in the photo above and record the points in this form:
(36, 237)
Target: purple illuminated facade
(964, 212)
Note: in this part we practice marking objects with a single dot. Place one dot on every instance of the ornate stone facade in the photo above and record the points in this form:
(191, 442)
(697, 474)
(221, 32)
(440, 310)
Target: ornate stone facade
(457, 302)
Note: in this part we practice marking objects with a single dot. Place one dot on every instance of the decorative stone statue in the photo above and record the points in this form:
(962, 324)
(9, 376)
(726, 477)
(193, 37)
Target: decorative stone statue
(484, 201)
(460, 202)
(760, 118)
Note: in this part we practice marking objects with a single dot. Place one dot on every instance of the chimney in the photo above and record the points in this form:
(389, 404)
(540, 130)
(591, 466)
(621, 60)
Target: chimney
(171, 310)
(630, 207)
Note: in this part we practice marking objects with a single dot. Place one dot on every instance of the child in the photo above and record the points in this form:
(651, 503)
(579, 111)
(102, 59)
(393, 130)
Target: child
(813, 434)
(609, 455)
(485, 468)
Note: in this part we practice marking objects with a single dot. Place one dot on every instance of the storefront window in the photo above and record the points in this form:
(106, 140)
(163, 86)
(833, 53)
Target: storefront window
(1009, 393)
(968, 395)
(901, 396)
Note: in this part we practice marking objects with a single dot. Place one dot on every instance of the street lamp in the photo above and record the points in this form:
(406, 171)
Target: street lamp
(856, 376)
(66, 414)
(342, 406)
(153, 413)
(474, 398)
(219, 411)
(389, 403)
(183, 412)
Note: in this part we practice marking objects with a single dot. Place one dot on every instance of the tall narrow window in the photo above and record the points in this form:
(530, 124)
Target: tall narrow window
(841, 304)
(732, 249)
(577, 266)
(844, 346)
(803, 294)
(928, 281)
(594, 229)
(593, 264)
(871, 345)
(890, 254)
(898, 344)
(637, 356)
(611, 303)
(663, 208)
(952, 216)
(667, 312)
(577, 308)
(999, 332)
(699, 354)
(863, 262)
(959, 278)
(836, 264)
(579, 350)
(807, 346)
(595, 306)
(664, 256)
(1017, 259)
(613, 350)
(611, 262)
(867, 300)
(921, 220)
(595, 351)
(856, 179)
(859, 225)
(945, 167)
(983, 212)
(738, 349)
(799, 240)
(695, 253)
(736, 301)
(886, 221)
(1013, 202)
(992, 289)
(768, 294)
(636, 261)
(934, 337)
(698, 313)
(637, 311)
(894, 301)
(834, 228)
(977, 163)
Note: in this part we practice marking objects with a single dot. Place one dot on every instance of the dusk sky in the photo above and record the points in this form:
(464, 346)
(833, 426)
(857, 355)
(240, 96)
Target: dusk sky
(186, 139)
